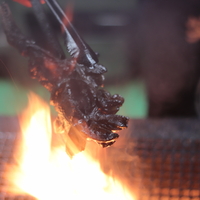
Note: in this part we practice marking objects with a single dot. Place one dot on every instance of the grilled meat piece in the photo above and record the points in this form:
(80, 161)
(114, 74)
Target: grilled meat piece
(85, 109)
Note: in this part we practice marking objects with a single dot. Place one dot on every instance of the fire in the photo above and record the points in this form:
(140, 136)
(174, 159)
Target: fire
(46, 172)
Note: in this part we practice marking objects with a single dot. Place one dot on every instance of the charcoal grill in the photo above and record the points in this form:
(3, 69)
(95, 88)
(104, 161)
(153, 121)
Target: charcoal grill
(157, 159)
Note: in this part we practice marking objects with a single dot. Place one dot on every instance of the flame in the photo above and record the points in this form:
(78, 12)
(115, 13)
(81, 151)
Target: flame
(46, 172)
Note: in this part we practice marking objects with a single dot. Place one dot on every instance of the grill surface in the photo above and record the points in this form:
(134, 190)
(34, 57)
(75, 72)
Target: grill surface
(7, 141)
(158, 159)
(172, 168)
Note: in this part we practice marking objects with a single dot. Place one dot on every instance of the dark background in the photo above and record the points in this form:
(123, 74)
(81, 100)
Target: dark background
(143, 44)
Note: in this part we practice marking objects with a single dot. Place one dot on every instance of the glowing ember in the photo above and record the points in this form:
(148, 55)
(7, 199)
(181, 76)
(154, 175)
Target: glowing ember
(47, 172)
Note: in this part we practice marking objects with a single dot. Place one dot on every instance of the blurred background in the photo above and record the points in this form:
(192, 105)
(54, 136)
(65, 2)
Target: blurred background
(151, 49)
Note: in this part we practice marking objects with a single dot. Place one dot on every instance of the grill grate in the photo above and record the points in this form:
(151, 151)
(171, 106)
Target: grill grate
(171, 168)
(160, 159)
(7, 141)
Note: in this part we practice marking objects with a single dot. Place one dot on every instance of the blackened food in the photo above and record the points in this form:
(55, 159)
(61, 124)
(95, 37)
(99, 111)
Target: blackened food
(85, 109)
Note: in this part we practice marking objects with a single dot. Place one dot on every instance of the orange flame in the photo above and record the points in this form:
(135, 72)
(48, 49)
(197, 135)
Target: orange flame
(46, 172)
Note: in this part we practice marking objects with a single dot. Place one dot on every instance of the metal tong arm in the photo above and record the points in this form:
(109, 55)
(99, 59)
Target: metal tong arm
(52, 43)
(76, 46)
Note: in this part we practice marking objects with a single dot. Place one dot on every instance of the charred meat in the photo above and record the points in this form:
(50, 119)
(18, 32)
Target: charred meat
(85, 109)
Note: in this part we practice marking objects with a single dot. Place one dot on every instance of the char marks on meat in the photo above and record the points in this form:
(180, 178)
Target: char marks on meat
(85, 109)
